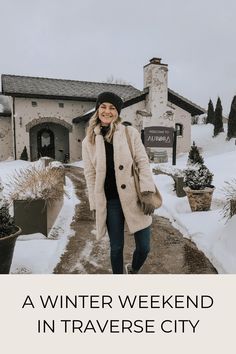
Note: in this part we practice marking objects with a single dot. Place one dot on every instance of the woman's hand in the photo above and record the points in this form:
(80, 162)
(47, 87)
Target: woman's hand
(146, 201)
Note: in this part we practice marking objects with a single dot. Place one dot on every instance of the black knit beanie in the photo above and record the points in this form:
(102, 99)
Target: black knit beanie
(110, 97)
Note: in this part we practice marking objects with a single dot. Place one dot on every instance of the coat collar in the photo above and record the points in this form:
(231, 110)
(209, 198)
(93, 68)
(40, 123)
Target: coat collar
(97, 129)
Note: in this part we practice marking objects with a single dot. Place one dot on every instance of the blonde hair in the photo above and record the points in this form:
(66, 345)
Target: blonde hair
(94, 121)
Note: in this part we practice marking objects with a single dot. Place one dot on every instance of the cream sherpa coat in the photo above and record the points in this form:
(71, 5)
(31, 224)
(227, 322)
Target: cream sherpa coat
(94, 157)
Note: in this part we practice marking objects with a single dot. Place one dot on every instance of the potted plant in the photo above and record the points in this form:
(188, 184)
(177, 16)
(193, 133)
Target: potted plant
(8, 235)
(199, 188)
(37, 197)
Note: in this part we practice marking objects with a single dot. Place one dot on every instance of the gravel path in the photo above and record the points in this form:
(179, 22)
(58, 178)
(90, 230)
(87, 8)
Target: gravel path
(171, 253)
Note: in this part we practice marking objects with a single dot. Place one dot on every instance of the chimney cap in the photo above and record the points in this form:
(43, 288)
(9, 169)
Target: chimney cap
(155, 60)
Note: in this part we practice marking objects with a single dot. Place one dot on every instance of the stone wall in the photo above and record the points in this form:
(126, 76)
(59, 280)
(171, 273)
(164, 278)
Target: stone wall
(129, 114)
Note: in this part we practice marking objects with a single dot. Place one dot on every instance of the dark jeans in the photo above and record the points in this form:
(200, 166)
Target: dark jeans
(115, 228)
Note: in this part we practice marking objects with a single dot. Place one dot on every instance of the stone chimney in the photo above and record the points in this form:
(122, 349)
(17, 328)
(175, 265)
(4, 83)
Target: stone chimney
(156, 79)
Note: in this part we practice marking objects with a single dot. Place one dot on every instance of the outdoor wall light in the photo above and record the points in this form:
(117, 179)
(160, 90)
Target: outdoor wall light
(20, 121)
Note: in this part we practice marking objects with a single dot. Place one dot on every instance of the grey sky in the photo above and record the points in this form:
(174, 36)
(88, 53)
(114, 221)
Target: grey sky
(91, 40)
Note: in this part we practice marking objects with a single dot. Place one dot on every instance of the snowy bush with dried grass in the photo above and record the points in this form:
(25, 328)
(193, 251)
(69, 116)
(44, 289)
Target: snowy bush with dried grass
(168, 170)
(36, 183)
(229, 191)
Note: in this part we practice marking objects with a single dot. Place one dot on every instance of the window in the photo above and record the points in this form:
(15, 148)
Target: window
(179, 129)
(46, 143)
(45, 139)
(34, 104)
(61, 104)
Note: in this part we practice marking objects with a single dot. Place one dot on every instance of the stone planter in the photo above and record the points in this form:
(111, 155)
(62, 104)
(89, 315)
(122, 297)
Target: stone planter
(36, 215)
(7, 245)
(199, 200)
(179, 186)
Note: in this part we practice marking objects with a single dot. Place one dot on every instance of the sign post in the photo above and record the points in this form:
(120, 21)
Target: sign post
(174, 148)
(161, 137)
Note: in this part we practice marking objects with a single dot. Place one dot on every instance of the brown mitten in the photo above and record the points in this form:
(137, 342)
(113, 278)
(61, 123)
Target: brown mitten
(146, 203)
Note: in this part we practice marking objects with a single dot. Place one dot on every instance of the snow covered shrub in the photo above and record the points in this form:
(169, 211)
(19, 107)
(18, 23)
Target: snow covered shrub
(167, 170)
(7, 225)
(37, 183)
(198, 177)
(178, 172)
(229, 190)
(194, 156)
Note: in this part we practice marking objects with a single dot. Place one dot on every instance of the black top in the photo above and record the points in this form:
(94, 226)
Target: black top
(110, 187)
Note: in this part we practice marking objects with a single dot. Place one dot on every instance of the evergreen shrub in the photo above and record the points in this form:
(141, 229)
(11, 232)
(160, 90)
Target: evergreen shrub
(198, 177)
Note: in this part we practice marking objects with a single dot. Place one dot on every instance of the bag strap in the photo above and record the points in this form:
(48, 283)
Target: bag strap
(129, 142)
(135, 169)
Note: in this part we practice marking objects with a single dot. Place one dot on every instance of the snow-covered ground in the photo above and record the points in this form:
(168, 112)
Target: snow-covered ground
(212, 234)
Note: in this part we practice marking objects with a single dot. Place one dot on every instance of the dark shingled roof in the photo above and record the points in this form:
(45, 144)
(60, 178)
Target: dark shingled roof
(38, 87)
(25, 86)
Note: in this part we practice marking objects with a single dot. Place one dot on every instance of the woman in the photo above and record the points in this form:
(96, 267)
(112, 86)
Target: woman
(111, 189)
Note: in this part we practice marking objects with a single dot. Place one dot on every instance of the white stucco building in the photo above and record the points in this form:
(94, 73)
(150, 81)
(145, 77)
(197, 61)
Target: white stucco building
(49, 116)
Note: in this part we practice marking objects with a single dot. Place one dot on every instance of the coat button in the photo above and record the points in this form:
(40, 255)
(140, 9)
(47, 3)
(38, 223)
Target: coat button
(123, 186)
(121, 167)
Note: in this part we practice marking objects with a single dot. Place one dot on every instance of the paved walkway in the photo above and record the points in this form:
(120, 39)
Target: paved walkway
(171, 253)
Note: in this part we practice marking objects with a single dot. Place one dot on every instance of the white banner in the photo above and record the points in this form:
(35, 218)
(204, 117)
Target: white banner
(117, 314)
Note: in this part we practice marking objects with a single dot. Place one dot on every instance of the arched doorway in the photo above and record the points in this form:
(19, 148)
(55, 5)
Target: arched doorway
(49, 139)
(46, 143)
